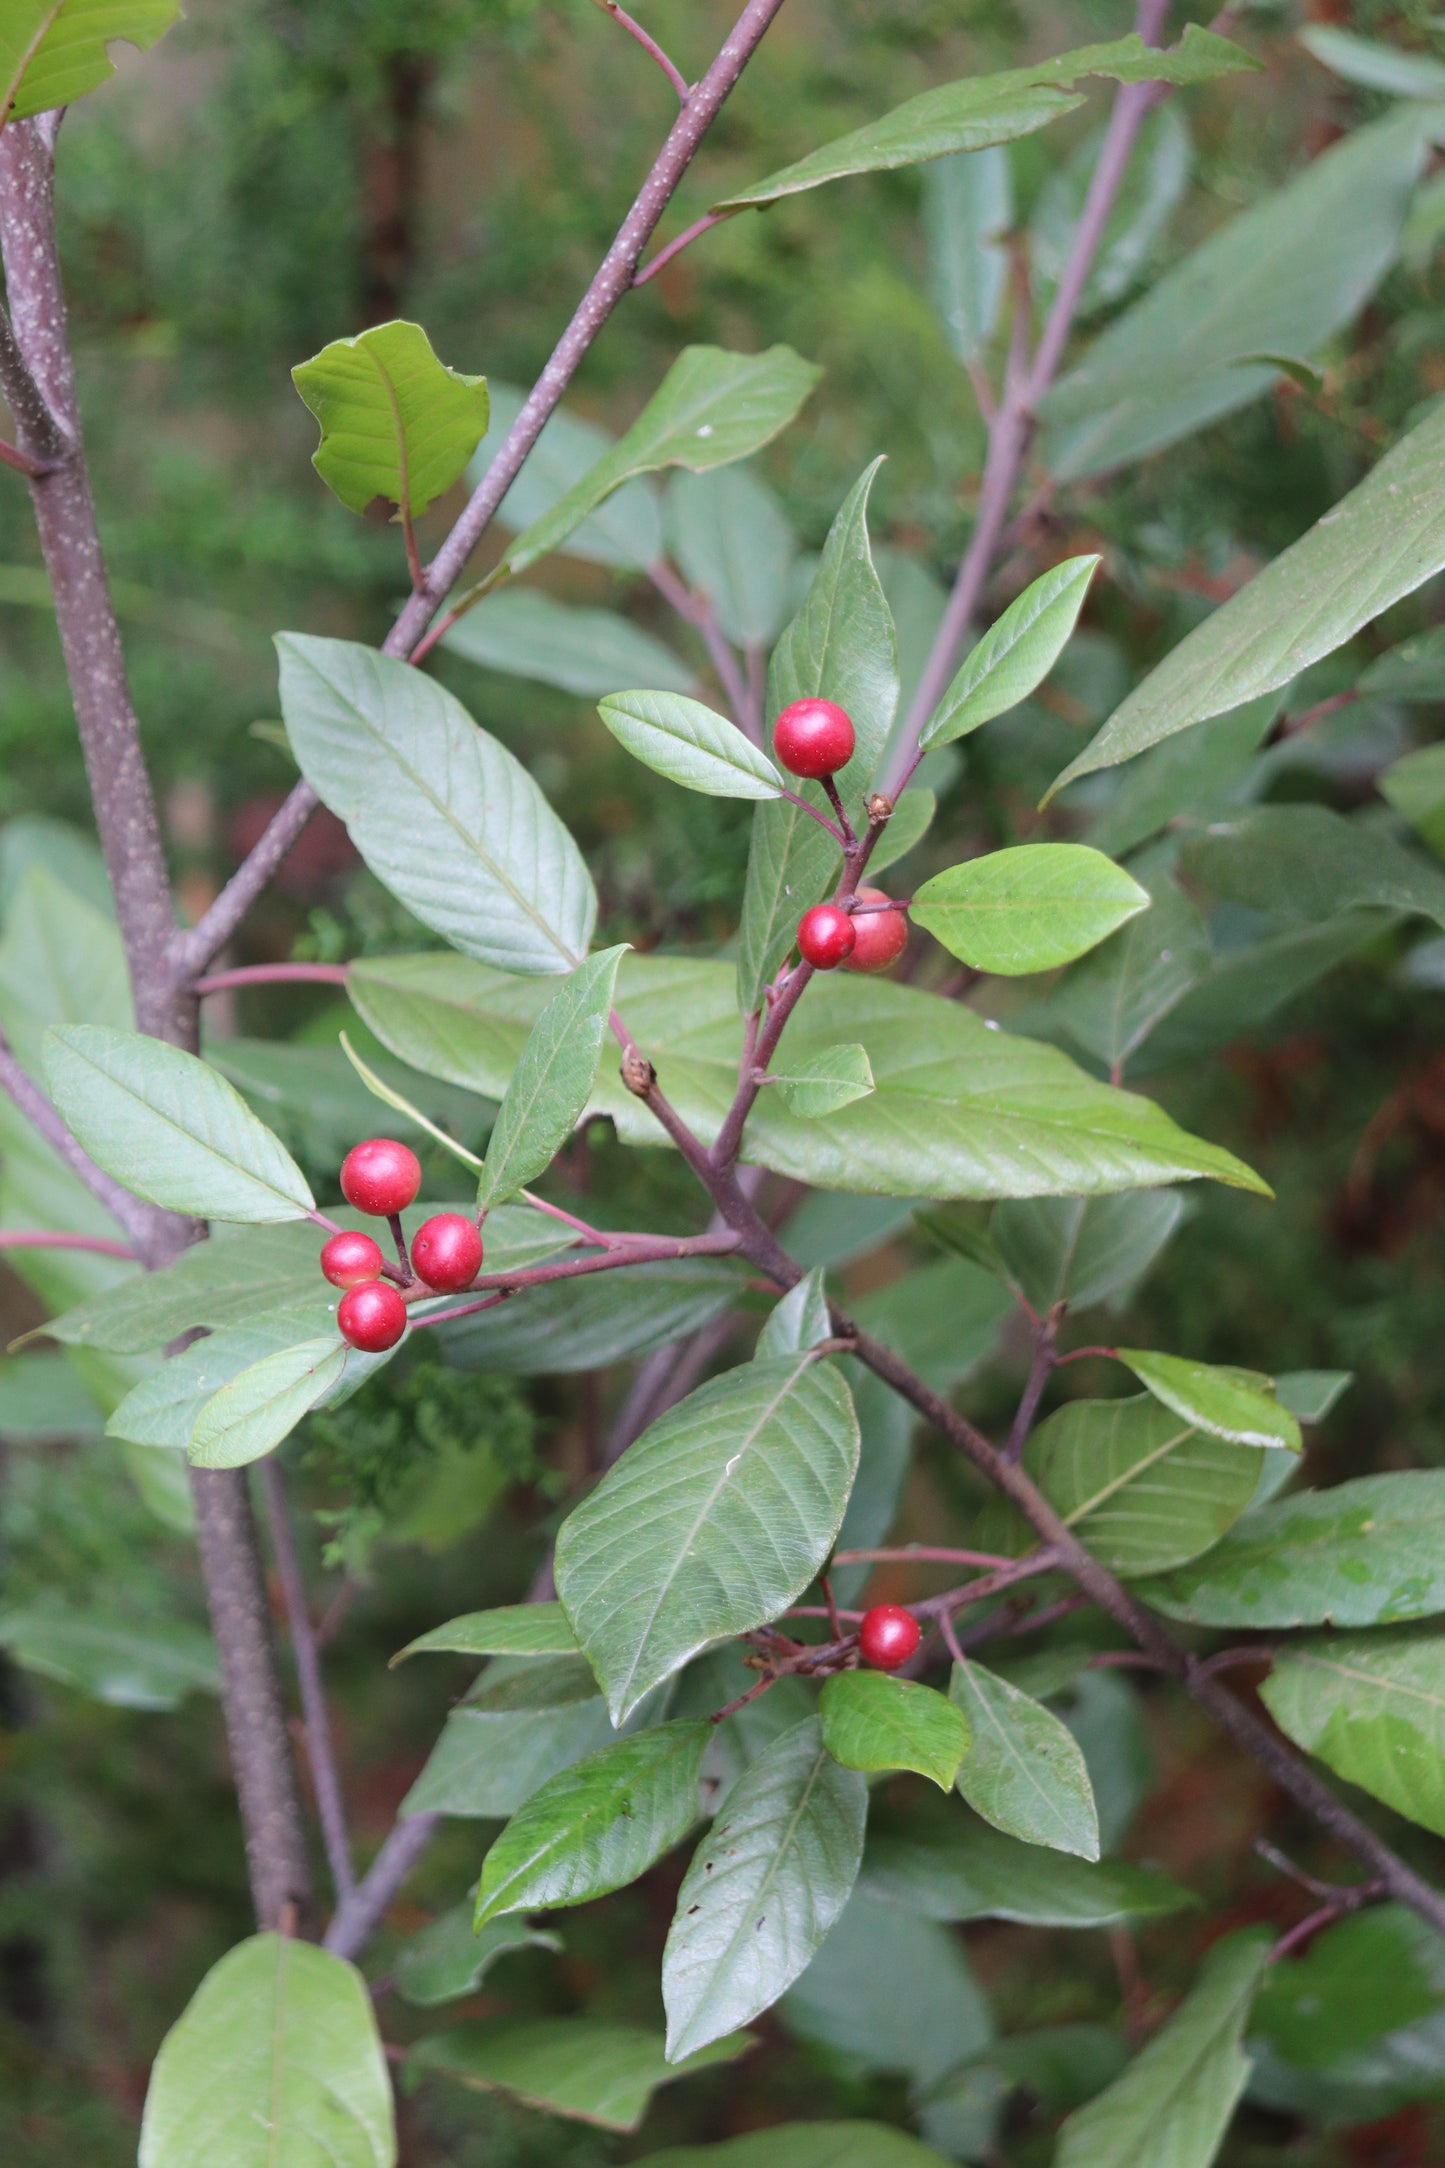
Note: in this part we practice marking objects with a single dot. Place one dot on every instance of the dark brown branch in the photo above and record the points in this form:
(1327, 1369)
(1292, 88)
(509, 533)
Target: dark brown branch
(320, 1752)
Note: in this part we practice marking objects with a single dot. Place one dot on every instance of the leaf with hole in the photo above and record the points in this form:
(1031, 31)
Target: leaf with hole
(169, 1128)
(552, 1082)
(1028, 909)
(989, 109)
(275, 2058)
(1143, 1487)
(395, 422)
(1372, 1708)
(444, 816)
(873, 1722)
(840, 646)
(767, 1882)
(690, 744)
(1229, 1403)
(597, 1826)
(1015, 655)
(53, 51)
(711, 407)
(1368, 1553)
(711, 1524)
(1023, 1770)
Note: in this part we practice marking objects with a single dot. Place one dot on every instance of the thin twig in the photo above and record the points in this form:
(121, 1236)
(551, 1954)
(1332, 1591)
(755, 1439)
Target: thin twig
(222, 982)
(24, 463)
(697, 611)
(320, 1752)
(685, 239)
(360, 1912)
(651, 47)
(49, 1239)
(1033, 1392)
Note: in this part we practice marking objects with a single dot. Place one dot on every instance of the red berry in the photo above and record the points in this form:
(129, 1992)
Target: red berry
(825, 936)
(380, 1176)
(372, 1316)
(447, 1252)
(814, 738)
(879, 937)
(888, 1636)
(347, 1260)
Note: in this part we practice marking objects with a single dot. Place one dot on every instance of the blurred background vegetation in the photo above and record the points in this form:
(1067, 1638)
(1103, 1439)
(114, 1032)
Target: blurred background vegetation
(277, 175)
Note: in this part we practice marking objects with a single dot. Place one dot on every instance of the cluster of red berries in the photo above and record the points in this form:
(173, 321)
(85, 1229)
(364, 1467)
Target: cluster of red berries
(382, 1177)
(814, 739)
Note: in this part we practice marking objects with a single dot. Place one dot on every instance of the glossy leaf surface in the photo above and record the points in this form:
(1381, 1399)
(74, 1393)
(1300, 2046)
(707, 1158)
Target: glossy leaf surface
(871, 1721)
(53, 51)
(1030, 908)
(1015, 655)
(1237, 1404)
(576, 2067)
(1372, 1708)
(825, 1083)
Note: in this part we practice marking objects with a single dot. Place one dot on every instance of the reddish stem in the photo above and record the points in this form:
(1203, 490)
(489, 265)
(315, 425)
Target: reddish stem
(221, 982)
(651, 47)
(675, 248)
(33, 1239)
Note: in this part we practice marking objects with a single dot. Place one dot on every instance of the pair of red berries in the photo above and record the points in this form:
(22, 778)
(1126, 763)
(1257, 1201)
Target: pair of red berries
(888, 1636)
(815, 738)
(382, 1177)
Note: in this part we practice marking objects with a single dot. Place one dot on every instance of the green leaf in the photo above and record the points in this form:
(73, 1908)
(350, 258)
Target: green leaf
(873, 1722)
(980, 1874)
(162, 1409)
(1015, 655)
(1367, 1553)
(1175, 2101)
(1082, 1250)
(911, 819)
(841, 646)
(1229, 1403)
(1023, 1771)
(276, 2059)
(961, 1109)
(890, 1992)
(766, 1884)
(806, 2145)
(690, 744)
(61, 962)
(380, 1089)
(526, 1719)
(263, 1405)
(1415, 787)
(572, 2066)
(734, 542)
(1244, 988)
(1139, 1484)
(53, 51)
(800, 1321)
(1310, 1394)
(1412, 670)
(258, 1271)
(1362, 1978)
(1028, 909)
(443, 814)
(624, 532)
(518, 1629)
(754, 1465)
(967, 209)
(395, 422)
(1113, 1001)
(943, 1318)
(552, 1081)
(1150, 191)
(585, 1324)
(1372, 1708)
(1280, 280)
(1378, 543)
(830, 1080)
(1303, 862)
(983, 110)
(169, 1128)
(131, 1663)
(42, 1399)
(1373, 65)
(449, 1958)
(1201, 773)
(711, 407)
(530, 635)
(598, 1825)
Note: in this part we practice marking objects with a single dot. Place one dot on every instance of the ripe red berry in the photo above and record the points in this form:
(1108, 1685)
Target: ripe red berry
(879, 937)
(888, 1636)
(371, 1316)
(814, 738)
(347, 1260)
(380, 1176)
(447, 1252)
(825, 936)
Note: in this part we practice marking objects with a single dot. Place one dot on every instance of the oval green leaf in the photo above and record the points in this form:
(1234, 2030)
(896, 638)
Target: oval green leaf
(873, 1722)
(1023, 1771)
(1237, 1404)
(690, 744)
(257, 1409)
(1015, 655)
(395, 422)
(1028, 909)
